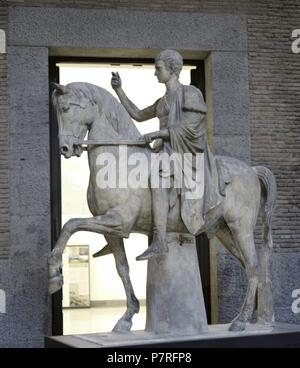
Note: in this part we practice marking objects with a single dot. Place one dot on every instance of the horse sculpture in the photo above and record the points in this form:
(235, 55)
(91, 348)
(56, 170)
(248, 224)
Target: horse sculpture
(82, 108)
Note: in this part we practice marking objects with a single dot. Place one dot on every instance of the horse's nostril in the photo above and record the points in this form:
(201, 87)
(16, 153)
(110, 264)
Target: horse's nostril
(64, 148)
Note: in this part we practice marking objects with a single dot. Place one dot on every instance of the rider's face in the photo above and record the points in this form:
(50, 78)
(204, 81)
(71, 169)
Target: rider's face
(162, 73)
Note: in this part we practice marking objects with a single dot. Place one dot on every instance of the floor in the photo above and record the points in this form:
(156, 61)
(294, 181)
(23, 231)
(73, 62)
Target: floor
(93, 320)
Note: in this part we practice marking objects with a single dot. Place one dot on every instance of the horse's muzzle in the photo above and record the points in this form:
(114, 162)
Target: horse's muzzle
(66, 151)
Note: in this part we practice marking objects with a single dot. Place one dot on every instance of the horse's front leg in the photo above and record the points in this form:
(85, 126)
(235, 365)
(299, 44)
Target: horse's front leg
(109, 223)
(55, 278)
(116, 244)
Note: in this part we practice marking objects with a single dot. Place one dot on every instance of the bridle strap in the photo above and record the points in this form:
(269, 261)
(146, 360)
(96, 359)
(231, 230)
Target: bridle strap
(112, 143)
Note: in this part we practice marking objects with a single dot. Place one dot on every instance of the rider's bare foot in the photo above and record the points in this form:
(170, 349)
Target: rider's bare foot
(157, 248)
(151, 253)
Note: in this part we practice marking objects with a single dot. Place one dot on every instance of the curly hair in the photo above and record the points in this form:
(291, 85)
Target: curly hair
(172, 59)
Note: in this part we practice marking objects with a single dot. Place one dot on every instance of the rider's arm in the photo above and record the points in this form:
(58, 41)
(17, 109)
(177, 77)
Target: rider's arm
(134, 111)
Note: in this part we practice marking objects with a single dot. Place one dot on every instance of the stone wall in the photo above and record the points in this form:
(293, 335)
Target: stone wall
(4, 187)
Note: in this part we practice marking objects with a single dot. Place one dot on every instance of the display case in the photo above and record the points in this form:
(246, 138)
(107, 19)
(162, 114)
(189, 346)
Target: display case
(76, 290)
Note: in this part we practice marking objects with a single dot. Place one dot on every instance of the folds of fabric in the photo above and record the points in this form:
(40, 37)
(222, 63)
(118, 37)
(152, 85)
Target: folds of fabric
(200, 186)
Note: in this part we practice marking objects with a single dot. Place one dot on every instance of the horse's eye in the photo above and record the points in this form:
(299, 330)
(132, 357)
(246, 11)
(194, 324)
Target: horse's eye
(65, 108)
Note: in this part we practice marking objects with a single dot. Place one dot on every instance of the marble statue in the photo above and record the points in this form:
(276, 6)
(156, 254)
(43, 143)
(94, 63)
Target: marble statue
(181, 112)
(225, 204)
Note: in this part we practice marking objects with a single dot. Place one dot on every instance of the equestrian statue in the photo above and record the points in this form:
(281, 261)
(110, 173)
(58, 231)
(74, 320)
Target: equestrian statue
(217, 195)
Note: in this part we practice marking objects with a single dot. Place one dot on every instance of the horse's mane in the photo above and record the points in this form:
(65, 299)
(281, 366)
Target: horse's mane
(107, 104)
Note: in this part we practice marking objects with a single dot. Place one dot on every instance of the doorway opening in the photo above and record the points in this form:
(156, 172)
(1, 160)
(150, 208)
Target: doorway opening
(93, 298)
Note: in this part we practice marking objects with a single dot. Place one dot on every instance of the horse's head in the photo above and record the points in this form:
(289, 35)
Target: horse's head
(75, 112)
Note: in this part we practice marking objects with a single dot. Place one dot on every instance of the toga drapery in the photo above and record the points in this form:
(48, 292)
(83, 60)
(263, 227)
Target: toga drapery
(188, 134)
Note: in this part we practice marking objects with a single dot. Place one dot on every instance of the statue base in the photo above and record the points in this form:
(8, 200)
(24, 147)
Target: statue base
(217, 336)
(174, 299)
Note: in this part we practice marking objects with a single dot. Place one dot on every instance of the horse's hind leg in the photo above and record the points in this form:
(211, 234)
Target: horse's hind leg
(225, 237)
(243, 238)
(117, 246)
(265, 308)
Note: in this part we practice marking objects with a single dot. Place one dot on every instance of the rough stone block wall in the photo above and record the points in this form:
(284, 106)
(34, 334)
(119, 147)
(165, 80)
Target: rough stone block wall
(4, 187)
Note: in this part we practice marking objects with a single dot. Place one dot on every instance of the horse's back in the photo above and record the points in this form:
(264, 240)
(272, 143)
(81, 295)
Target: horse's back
(230, 168)
(242, 188)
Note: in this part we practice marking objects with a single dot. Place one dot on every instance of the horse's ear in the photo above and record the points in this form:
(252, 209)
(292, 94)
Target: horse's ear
(60, 88)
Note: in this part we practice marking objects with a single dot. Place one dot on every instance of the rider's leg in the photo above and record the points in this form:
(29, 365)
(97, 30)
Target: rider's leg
(160, 208)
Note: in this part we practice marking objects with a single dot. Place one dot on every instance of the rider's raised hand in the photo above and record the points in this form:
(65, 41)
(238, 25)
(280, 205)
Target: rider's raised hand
(116, 82)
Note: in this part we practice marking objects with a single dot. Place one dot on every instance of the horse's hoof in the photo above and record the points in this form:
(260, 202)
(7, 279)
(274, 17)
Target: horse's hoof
(55, 284)
(237, 326)
(122, 326)
(55, 258)
(55, 278)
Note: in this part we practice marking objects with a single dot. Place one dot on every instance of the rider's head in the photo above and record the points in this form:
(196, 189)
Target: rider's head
(172, 60)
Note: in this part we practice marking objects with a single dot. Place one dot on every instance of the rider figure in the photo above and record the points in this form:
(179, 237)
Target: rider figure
(181, 112)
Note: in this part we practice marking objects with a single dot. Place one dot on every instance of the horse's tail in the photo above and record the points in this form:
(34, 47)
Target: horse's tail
(269, 191)
(265, 309)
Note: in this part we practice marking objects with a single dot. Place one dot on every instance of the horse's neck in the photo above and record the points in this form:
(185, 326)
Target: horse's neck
(100, 129)
(113, 122)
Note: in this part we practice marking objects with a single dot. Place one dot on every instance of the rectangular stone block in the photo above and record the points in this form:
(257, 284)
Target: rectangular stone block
(28, 91)
(286, 279)
(105, 28)
(28, 299)
(230, 91)
(29, 131)
(237, 146)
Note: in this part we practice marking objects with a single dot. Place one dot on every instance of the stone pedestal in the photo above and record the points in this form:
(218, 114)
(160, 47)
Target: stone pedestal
(175, 303)
(256, 336)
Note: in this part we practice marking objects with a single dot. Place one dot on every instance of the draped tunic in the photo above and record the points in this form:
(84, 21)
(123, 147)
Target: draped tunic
(183, 113)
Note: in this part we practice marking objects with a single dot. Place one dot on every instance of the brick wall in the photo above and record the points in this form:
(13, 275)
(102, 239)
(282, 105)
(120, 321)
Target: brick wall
(4, 195)
(275, 110)
(274, 93)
